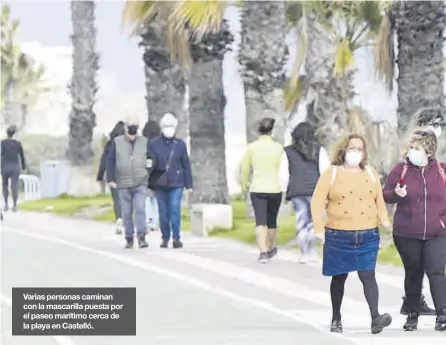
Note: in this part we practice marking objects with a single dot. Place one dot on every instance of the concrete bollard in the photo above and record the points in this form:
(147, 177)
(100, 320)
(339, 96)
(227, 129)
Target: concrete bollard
(206, 217)
(197, 225)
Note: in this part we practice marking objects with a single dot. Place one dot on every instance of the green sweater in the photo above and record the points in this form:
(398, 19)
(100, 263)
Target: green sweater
(264, 157)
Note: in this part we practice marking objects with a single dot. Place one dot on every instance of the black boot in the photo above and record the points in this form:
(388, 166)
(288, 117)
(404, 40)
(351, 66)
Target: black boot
(164, 244)
(411, 322)
(129, 243)
(424, 308)
(336, 326)
(440, 323)
(142, 241)
(380, 322)
(177, 244)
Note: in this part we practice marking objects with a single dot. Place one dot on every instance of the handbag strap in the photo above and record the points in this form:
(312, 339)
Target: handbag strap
(170, 156)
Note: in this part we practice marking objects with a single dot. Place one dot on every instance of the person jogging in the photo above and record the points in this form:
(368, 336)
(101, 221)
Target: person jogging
(118, 130)
(12, 164)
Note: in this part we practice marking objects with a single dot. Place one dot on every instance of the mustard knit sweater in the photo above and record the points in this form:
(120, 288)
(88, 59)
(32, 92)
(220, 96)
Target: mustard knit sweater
(353, 202)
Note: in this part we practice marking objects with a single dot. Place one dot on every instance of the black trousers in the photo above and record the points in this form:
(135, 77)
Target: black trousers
(266, 208)
(12, 176)
(419, 257)
(116, 203)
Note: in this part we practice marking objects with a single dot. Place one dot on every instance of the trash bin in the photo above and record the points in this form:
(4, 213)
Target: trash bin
(54, 178)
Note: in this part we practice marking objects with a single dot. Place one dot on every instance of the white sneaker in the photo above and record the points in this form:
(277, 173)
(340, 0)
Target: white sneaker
(313, 256)
(119, 226)
(303, 258)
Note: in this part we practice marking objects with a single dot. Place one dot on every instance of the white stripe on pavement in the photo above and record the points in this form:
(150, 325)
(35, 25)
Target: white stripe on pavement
(184, 279)
(59, 339)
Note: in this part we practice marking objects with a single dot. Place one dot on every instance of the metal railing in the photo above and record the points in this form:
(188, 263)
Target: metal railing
(29, 187)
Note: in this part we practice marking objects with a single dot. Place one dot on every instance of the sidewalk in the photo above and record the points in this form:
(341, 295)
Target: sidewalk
(283, 285)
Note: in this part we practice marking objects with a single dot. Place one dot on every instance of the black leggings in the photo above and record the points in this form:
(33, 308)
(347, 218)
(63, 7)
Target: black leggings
(370, 287)
(14, 177)
(266, 208)
(116, 203)
(419, 257)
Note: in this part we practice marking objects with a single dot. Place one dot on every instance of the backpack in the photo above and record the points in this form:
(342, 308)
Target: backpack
(335, 170)
(406, 166)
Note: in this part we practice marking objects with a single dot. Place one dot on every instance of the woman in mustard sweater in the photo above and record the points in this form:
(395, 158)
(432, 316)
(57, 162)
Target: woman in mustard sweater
(350, 194)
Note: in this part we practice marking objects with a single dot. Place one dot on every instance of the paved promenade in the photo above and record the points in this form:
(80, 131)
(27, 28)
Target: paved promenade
(210, 292)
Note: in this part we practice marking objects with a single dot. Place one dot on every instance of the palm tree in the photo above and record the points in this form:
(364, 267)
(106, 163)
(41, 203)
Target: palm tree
(83, 83)
(419, 27)
(329, 32)
(21, 77)
(165, 84)
(196, 38)
(263, 54)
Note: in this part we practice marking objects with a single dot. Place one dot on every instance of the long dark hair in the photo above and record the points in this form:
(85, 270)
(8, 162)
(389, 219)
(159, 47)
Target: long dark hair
(118, 130)
(305, 141)
(151, 130)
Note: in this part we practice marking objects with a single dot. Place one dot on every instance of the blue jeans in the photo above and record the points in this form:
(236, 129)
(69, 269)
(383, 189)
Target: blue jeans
(133, 200)
(169, 208)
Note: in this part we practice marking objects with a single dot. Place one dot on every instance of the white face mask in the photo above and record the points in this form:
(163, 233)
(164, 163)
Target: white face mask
(168, 132)
(437, 131)
(353, 158)
(417, 157)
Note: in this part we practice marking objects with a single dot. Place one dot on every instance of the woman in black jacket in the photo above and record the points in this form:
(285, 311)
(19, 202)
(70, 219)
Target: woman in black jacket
(118, 130)
(151, 130)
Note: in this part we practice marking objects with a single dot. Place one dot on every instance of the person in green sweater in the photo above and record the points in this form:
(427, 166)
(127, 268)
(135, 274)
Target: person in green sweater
(263, 158)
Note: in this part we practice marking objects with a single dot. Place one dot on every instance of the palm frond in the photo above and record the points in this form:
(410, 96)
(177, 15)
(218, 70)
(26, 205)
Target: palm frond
(293, 92)
(384, 54)
(202, 17)
(344, 60)
(137, 13)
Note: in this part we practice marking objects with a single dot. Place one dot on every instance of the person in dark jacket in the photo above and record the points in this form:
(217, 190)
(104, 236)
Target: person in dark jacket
(418, 187)
(129, 162)
(151, 130)
(171, 174)
(118, 130)
(12, 164)
(427, 119)
(302, 164)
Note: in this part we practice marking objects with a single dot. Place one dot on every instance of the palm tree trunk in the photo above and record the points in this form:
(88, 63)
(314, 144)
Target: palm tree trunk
(207, 122)
(165, 84)
(330, 97)
(262, 55)
(207, 133)
(420, 27)
(83, 83)
(83, 89)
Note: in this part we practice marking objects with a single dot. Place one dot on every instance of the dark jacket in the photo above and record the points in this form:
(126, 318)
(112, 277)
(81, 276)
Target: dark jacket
(103, 161)
(421, 213)
(304, 174)
(12, 156)
(179, 174)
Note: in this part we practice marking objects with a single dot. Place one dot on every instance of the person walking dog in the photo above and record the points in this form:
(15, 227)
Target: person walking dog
(129, 163)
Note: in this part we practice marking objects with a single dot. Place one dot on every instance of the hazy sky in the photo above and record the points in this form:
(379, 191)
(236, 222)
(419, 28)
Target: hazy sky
(49, 22)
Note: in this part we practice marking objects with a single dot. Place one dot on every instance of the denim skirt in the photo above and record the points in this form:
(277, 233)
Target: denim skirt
(349, 251)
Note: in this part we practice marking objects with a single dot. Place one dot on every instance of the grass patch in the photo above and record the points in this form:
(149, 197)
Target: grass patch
(243, 228)
(66, 205)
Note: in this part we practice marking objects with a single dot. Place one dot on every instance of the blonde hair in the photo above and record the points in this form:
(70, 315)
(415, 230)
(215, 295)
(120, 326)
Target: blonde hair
(427, 139)
(341, 148)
